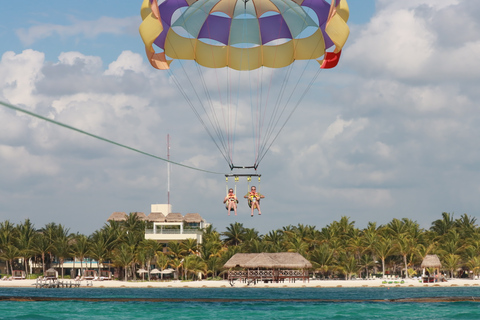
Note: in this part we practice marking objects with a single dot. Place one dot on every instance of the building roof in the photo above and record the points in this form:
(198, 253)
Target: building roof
(156, 217)
(141, 216)
(174, 217)
(431, 261)
(118, 216)
(284, 260)
(193, 218)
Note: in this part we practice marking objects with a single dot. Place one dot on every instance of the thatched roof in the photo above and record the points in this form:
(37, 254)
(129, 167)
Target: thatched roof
(156, 217)
(141, 216)
(193, 218)
(118, 216)
(283, 260)
(431, 261)
(174, 217)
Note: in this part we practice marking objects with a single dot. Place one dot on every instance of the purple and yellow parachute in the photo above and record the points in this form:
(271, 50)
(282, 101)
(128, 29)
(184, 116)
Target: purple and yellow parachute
(244, 34)
(244, 56)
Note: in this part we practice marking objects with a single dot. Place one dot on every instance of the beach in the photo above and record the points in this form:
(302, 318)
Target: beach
(313, 283)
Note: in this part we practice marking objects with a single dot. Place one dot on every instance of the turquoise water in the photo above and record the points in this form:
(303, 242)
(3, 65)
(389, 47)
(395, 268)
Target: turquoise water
(238, 303)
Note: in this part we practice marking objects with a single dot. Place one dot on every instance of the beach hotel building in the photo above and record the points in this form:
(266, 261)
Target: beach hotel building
(164, 226)
(169, 226)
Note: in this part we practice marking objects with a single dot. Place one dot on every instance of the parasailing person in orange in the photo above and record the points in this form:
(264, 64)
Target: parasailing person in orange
(232, 201)
(254, 199)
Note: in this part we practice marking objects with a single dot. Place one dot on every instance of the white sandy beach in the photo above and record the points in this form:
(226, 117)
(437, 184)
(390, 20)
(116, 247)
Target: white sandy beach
(225, 284)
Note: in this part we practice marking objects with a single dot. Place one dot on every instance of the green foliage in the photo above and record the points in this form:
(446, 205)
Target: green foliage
(337, 248)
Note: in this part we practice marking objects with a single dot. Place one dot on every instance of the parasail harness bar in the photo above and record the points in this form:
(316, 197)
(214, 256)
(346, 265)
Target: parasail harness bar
(243, 167)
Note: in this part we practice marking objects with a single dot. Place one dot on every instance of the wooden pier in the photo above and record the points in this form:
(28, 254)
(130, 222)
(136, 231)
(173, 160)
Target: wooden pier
(55, 283)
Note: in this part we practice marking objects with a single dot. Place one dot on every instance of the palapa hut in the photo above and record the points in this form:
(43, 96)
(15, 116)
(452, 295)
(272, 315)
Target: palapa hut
(273, 267)
(117, 216)
(431, 261)
(174, 217)
(156, 217)
(192, 220)
(140, 216)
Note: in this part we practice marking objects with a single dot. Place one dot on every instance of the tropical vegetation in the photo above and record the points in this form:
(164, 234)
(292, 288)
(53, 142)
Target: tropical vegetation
(338, 250)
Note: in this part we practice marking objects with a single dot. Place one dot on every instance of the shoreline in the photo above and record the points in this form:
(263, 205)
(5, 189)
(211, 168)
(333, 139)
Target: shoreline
(313, 283)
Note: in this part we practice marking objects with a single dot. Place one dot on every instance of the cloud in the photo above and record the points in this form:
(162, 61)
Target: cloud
(392, 132)
(88, 29)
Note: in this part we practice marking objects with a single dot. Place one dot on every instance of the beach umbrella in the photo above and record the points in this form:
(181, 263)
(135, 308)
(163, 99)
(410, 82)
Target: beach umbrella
(155, 271)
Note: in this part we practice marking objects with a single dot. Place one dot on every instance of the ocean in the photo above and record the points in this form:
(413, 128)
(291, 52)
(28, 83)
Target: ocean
(240, 303)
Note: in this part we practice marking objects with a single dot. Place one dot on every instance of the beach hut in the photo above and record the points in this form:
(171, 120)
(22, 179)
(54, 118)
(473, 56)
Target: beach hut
(274, 267)
(117, 216)
(430, 261)
(18, 275)
(51, 274)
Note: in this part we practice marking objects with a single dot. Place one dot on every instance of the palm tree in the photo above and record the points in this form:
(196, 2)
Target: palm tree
(274, 241)
(162, 261)
(383, 249)
(474, 265)
(442, 226)
(8, 254)
(296, 244)
(42, 246)
(451, 263)
(235, 234)
(98, 249)
(466, 226)
(193, 264)
(7, 234)
(81, 249)
(405, 246)
(24, 241)
(123, 257)
(348, 265)
(322, 259)
(63, 250)
(366, 261)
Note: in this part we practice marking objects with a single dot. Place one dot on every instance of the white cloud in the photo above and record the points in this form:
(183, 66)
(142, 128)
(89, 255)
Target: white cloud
(390, 133)
(126, 61)
(88, 29)
(18, 75)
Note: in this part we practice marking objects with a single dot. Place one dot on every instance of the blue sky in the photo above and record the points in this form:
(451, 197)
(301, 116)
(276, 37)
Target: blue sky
(390, 133)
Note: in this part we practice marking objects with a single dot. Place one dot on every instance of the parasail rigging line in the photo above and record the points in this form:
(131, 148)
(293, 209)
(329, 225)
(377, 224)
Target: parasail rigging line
(35, 115)
(312, 81)
(220, 144)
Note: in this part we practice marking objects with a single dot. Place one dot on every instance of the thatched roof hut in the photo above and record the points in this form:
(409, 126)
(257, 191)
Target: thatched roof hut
(431, 261)
(174, 217)
(193, 218)
(117, 216)
(156, 217)
(281, 260)
(140, 216)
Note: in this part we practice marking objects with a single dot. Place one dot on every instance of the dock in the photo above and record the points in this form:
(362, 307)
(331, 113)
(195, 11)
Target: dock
(55, 283)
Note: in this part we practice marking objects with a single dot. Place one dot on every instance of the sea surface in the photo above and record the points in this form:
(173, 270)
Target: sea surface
(239, 303)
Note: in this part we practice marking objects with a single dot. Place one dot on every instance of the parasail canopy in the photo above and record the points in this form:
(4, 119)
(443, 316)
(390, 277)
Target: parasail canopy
(253, 46)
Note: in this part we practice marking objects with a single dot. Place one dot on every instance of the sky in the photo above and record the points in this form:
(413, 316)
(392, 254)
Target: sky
(392, 132)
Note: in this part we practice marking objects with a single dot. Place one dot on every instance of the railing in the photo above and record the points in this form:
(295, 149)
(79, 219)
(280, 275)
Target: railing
(173, 231)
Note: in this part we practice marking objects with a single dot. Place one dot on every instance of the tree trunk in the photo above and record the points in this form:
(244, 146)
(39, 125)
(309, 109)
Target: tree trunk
(383, 267)
(43, 263)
